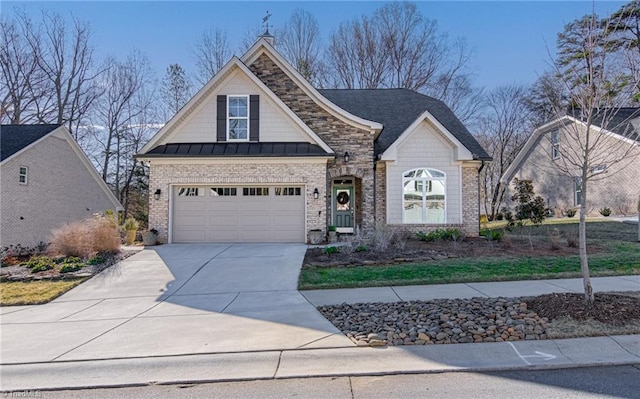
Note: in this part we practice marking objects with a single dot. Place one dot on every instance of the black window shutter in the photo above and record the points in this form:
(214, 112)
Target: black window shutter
(254, 118)
(222, 119)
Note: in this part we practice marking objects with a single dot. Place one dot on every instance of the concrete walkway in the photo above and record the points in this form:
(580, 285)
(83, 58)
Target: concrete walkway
(468, 290)
(195, 313)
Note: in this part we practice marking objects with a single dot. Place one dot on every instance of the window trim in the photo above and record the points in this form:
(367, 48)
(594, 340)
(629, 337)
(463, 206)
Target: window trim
(555, 144)
(24, 175)
(429, 189)
(577, 183)
(246, 118)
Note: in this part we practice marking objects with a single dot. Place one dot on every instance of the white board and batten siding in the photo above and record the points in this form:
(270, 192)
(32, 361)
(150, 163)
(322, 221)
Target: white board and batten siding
(425, 147)
(275, 124)
(238, 214)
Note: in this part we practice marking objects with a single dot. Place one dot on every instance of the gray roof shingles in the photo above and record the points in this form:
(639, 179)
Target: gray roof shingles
(396, 110)
(623, 121)
(14, 138)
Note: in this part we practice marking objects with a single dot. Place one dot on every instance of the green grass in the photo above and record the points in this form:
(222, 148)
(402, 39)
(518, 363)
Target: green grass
(620, 256)
(34, 292)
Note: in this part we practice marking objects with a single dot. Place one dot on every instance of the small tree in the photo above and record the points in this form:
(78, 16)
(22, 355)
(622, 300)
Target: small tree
(530, 206)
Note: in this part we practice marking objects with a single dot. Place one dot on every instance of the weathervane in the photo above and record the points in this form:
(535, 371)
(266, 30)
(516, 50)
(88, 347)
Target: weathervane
(265, 21)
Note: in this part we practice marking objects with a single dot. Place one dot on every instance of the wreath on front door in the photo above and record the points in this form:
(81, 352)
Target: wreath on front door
(343, 197)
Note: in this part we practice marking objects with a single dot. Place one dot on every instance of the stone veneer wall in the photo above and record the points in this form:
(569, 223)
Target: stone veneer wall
(340, 136)
(163, 175)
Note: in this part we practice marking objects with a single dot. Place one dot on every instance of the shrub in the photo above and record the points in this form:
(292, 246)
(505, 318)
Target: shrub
(484, 219)
(605, 212)
(39, 264)
(382, 237)
(570, 212)
(554, 238)
(530, 206)
(572, 239)
(331, 250)
(71, 264)
(492, 235)
(451, 234)
(362, 248)
(131, 224)
(96, 260)
(333, 228)
(86, 238)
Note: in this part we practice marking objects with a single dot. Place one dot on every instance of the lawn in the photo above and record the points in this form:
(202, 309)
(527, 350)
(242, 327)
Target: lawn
(619, 254)
(34, 292)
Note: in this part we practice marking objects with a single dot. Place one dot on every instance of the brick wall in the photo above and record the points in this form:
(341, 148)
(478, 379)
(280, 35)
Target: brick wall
(162, 176)
(60, 190)
(470, 205)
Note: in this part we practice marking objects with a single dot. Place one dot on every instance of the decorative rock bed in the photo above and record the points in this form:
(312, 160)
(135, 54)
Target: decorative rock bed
(440, 321)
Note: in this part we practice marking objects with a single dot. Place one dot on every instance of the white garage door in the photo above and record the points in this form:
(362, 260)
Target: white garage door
(238, 214)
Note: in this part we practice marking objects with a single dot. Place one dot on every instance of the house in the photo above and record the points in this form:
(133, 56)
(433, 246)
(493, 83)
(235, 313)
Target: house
(615, 162)
(47, 182)
(260, 155)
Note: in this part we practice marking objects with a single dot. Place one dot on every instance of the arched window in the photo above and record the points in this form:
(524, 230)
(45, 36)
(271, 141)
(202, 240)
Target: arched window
(424, 196)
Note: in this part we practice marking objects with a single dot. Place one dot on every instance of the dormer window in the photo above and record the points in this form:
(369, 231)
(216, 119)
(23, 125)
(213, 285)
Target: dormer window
(238, 118)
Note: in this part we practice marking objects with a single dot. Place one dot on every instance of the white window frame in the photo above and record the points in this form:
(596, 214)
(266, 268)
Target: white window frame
(555, 144)
(230, 118)
(23, 176)
(577, 189)
(598, 169)
(426, 189)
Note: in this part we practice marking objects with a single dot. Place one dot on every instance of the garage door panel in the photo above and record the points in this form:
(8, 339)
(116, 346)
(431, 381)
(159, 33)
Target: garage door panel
(239, 218)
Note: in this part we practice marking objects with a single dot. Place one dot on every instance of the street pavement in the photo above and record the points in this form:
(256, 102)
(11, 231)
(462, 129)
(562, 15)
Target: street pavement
(222, 312)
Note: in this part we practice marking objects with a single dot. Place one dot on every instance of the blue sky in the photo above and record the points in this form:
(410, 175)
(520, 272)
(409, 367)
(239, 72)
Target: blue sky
(511, 39)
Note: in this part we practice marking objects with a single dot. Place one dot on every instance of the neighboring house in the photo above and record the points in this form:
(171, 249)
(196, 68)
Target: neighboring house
(612, 184)
(47, 182)
(260, 155)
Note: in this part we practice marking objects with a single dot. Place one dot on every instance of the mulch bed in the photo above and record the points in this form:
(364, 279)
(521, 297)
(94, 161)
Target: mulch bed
(614, 309)
(419, 251)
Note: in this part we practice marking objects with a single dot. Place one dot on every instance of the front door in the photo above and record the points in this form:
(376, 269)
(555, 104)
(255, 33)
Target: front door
(343, 208)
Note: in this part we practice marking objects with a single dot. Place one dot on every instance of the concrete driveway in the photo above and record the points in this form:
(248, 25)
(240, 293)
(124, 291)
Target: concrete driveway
(175, 299)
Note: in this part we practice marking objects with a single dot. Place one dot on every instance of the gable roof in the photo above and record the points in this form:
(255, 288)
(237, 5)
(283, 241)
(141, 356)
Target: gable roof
(622, 121)
(397, 109)
(14, 138)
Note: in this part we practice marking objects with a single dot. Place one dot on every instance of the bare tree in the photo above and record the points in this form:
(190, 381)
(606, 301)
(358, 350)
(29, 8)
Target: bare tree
(211, 52)
(357, 56)
(505, 127)
(20, 73)
(593, 81)
(546, 96)
(66, 60)
(398, 47)
(175, 90)
(299, 43)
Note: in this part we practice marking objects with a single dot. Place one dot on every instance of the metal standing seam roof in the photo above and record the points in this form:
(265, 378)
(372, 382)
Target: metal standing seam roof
(397, 109)
(14, 138)
(226, 149)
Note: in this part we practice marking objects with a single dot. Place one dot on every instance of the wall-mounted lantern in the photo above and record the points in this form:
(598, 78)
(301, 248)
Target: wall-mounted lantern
(346, 156)
(157, 194)
(316, 193)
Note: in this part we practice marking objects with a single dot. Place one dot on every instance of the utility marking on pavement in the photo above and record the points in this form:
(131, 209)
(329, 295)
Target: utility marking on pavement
(544, 356)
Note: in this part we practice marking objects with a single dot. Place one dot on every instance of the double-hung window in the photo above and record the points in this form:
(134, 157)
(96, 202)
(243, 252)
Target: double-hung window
(23, 175)
(578, 189)
(238, 118)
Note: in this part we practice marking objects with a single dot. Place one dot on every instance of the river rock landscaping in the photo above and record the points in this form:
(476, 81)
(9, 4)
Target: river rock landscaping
(451, 321)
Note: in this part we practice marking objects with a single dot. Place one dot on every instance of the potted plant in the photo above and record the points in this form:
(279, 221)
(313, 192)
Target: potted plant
(150, 237)
(333, 233)
(131, 227)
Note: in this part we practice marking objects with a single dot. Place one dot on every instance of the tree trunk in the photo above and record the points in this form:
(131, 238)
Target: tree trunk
(584, 261)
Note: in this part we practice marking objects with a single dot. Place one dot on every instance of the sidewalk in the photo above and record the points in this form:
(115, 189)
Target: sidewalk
(343, 359)
(468, 290)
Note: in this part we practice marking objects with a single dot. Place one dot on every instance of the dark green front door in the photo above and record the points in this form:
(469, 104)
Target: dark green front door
(343, 206)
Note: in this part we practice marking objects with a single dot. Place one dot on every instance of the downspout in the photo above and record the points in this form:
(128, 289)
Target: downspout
(479, 213)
